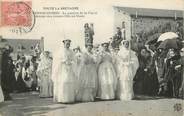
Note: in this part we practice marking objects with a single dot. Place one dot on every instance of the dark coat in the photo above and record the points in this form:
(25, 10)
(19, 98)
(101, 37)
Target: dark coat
(172, 76)
(8, 77)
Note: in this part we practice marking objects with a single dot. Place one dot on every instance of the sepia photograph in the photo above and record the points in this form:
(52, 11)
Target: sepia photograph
(91, 58)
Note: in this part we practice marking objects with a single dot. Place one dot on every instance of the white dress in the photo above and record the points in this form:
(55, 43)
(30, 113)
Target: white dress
(1, 95)
(77, 63)
(107, 77)
(115, 59)
(87, 79)
(44, 73)
(128, 66)
(64, 77)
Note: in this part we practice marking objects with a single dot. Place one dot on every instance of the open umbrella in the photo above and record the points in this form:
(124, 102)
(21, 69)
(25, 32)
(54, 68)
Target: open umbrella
(170, 43)
(167, 35)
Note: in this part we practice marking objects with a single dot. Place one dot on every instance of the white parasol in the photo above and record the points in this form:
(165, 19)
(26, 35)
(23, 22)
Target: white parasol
(167, 35)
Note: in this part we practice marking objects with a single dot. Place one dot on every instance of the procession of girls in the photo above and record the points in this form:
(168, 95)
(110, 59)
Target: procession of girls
(100, 72)
(93, 73)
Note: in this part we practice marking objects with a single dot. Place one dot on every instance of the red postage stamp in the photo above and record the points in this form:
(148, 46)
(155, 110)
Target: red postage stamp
(16, 13)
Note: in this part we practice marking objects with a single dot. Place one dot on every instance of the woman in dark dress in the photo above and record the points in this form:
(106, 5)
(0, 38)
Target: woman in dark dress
(6, 80)
(141, 73)
(172, 77)
(11, 74)
(34, 66)
(150, 83)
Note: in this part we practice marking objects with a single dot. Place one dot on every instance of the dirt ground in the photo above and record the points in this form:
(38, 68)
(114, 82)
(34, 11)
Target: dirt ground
(29, 104)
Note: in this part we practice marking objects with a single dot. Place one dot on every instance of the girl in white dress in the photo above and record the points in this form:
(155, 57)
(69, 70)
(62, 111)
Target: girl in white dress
(128, 65)
(87, 77)
(44, 74)
(107, 75)
(77, 60)
(63, 75)
(115, 59)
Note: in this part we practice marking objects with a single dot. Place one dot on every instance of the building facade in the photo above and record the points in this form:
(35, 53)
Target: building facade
(147, 22)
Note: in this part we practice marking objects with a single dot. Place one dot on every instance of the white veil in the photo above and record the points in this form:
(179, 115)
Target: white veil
(57, 57)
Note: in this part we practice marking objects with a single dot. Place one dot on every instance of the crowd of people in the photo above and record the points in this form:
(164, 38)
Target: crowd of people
(107, 71)
(17, 75)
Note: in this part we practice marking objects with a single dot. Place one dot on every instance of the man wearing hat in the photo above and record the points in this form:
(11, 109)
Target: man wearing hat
(63, 74)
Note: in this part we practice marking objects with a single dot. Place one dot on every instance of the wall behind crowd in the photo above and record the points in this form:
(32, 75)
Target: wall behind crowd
(146, 27)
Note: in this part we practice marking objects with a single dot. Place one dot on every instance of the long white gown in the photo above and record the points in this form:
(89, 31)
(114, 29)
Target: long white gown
(107, 77)
(1, 95)
(64, 77)
(87, 79)
(115, 59)
(128, 65)
(44, 73)
(77, 63)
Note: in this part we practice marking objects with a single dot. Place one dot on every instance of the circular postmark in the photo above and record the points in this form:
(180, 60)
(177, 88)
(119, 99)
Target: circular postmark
(18, 16)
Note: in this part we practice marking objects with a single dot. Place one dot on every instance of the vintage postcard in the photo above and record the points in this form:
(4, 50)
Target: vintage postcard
(91, 58)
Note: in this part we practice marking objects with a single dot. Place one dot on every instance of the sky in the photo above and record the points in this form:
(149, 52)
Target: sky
(54, 30)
